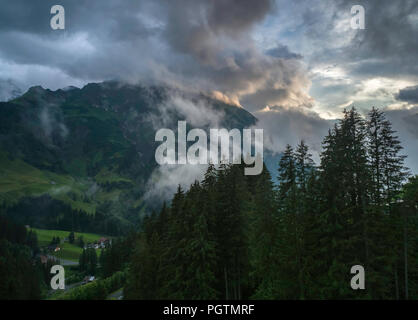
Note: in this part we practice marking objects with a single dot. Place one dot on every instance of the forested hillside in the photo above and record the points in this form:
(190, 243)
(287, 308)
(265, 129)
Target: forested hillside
(232, 236)
(80, 159)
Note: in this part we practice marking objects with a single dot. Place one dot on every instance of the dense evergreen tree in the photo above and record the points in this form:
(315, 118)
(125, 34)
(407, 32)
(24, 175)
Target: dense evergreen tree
(265, 253)
(20, 274)
(88, 261)
(237, 237)
(71, 237)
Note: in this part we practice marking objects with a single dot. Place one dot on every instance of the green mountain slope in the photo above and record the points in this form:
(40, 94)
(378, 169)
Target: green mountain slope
(84, 155)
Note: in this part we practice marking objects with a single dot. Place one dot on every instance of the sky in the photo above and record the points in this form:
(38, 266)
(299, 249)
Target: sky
(294, 64)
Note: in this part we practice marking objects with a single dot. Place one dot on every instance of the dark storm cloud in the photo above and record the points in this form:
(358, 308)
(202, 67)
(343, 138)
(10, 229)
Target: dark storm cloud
(212, 46)
(209, 44)
(195, 23)
(409, 94)
(215, 39)
(23, 16)
(391, 29)
(101, 40)
(98, 16)
(236, 15)
(198, 44)
(196, 26)
(282, 51)
(386, 47)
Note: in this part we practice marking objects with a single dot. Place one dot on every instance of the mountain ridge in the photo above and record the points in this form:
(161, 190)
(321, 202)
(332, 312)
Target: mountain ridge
(92, 148)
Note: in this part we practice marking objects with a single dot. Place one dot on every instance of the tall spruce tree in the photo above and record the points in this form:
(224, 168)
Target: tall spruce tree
(265, 239)
(234, 236)
(344, 175)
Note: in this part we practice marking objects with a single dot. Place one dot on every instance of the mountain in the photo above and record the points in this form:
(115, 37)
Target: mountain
(81, 158)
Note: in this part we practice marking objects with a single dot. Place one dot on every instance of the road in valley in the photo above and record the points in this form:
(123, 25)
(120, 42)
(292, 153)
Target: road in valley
(64, 262)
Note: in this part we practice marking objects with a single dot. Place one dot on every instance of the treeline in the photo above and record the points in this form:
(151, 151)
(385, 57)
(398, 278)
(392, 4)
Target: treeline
(233, 236)
(110, 267)
(23, 276)
(114, 258)
(45, 212)
(96, 290)
(20, 276)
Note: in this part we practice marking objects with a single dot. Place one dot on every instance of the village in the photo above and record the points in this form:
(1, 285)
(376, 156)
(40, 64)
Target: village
(67, 250)
(56, 244)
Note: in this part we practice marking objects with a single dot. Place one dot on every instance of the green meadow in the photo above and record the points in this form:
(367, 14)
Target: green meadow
(19, 179)
(68, 251)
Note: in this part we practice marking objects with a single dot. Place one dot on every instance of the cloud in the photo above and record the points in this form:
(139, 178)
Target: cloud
(196, 111)
(203, 29)
(203, 45)
(9, 90)
(385, 47)
(44, 119)
(342, 61)
(244, 50)
(408, 94)
(165, 179)
(289, 126)
(51, 124)
(405, 122)
(292, 63)
(282, 51)
(215, 38)
(284, 126)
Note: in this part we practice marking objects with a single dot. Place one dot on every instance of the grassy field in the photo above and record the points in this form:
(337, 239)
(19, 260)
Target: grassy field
(68, 251)
(19, 179)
